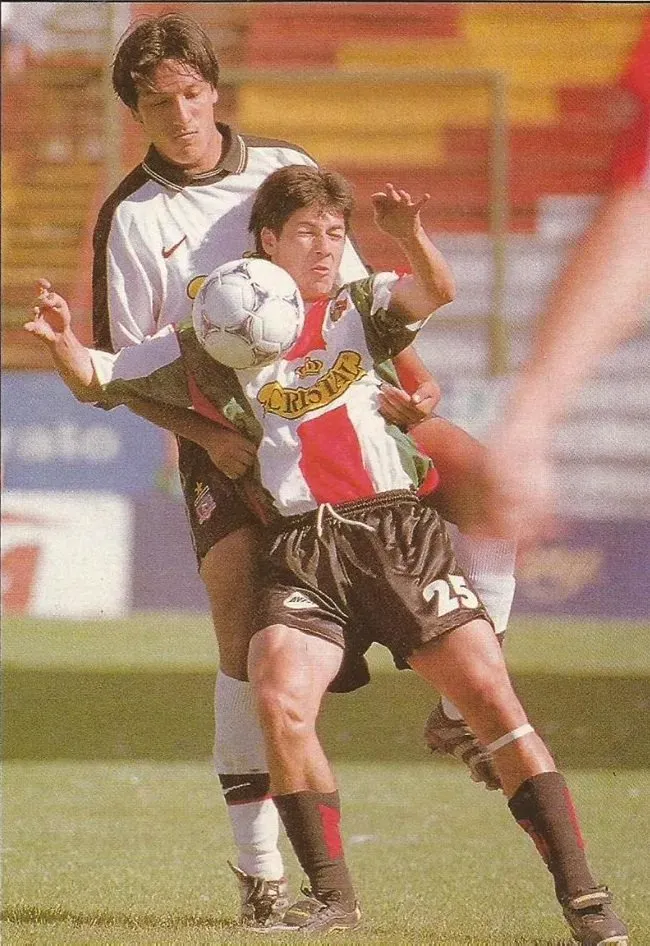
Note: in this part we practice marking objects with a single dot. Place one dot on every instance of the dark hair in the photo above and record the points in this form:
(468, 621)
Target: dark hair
(293, 187)
(149, 40)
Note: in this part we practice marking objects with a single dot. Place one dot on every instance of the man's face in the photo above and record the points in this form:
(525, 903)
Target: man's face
(309, 247)
(176, 112)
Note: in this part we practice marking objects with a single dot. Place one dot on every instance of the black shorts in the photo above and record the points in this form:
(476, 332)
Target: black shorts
(380, 569)
(214, 506)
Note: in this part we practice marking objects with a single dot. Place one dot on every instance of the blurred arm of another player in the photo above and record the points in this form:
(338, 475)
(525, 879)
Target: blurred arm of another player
(230, 451)
(597, 303)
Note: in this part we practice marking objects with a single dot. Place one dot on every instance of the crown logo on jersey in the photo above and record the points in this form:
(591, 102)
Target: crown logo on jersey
(338, 310)
(310, 367)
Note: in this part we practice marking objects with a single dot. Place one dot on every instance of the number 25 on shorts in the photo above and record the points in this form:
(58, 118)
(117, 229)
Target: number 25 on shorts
(451, 593)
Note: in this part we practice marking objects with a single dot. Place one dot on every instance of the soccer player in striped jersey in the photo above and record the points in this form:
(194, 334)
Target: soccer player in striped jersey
(353, 554)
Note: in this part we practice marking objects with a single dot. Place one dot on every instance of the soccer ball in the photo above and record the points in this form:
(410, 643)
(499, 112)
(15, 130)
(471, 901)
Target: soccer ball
(248, 313)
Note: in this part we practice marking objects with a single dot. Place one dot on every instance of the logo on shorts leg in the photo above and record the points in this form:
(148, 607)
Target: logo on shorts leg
(204, 504)
(297, 601)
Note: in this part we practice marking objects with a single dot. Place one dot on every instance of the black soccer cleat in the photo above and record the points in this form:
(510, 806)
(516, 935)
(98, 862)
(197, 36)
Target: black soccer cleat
(262, 901)
(592, 920)
(454, 737)
(315, 916)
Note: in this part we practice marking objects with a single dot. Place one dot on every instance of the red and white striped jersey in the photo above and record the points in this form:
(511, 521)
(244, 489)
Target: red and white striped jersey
(313, 413)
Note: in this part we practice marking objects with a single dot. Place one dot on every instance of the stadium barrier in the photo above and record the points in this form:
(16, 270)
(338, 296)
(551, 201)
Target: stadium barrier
(93, 524)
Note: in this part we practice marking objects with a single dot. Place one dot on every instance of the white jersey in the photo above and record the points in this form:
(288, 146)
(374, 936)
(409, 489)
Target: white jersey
(321, 438)
(161, 233)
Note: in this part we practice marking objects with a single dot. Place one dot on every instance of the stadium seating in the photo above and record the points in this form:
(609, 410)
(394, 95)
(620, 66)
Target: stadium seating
(52, 153)
(559, 60)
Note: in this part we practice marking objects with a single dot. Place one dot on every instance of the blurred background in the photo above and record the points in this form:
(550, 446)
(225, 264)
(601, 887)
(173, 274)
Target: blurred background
(506, 113)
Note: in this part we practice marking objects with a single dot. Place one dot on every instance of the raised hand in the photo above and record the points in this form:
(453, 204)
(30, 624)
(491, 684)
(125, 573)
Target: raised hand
(397, 213)
(51, 314)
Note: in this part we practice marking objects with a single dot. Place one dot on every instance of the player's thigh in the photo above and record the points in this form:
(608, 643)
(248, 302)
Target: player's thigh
(467, 665)
(457, 457)
(230, 573)
(290, 670)
(224, 535)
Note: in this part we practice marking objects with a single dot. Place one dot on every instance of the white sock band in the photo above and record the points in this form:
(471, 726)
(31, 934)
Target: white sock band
(238, 740)
(510, 737)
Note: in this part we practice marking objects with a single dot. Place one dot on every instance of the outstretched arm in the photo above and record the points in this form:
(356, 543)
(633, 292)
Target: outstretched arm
(596, 303)
(229, 450)
(52, 325)
(431, 282)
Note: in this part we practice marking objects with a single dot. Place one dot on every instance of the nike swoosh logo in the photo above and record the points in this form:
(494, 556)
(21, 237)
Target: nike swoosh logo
(167, 253)
(232, 788)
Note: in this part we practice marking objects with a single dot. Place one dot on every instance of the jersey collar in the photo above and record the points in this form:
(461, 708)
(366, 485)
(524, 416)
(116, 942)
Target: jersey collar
(233, 161)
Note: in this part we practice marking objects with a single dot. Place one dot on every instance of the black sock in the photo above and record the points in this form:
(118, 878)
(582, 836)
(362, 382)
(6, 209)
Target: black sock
(311, 820)
(543, 806)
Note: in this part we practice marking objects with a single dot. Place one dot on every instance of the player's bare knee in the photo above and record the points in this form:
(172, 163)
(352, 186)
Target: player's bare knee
(284, 713)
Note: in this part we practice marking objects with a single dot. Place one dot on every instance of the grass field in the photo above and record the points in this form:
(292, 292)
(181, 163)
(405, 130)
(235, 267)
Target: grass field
(115, 832)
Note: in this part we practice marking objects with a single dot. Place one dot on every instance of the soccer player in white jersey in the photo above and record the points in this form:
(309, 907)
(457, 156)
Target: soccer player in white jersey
(353, 555)
(175, 217)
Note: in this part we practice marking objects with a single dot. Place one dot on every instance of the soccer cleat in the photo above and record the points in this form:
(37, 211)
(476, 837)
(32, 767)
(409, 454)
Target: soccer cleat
(454, 737)
(592, 920)
(262, 901)
(316, 916)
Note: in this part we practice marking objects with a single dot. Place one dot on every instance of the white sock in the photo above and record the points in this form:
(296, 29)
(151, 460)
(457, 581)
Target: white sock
(239, 751)
(489, 565)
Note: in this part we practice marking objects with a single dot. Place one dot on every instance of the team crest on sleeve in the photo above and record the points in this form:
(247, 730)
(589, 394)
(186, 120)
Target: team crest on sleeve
(338, 310)
(204, 503)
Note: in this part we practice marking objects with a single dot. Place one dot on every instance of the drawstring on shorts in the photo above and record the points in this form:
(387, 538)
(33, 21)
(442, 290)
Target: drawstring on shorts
(320, 516)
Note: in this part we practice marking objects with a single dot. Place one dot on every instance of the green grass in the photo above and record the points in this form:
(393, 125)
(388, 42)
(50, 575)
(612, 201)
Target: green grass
(115, 832)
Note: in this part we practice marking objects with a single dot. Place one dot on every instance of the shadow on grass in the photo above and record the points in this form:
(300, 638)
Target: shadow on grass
(58, 714)
(102, 918)
(34, 915)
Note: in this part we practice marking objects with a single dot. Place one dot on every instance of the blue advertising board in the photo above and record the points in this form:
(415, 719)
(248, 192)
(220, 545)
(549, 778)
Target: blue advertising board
(51, 441)
(593, 569)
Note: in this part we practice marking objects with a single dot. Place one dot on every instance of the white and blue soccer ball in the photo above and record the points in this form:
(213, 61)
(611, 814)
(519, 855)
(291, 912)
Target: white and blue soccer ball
(248, 313)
